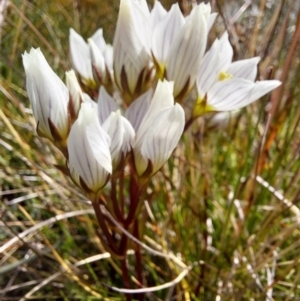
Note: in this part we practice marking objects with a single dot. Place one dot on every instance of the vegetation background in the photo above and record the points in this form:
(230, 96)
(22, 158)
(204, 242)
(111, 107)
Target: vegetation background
(226, 205)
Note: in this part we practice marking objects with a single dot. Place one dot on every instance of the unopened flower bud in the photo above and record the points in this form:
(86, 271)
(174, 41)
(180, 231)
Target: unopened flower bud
(88, 147)
(49, 97)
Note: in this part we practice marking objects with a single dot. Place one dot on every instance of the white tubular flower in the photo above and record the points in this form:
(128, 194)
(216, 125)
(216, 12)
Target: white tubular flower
(121, 133)
(138, 109)
(83, 55)
(48, 95)
(116, 126)
(106, 105)
(75, 93)
(97, 60)
(226, 86)
(133, 68)
(90, 162)
(178, 45)
(159, 131)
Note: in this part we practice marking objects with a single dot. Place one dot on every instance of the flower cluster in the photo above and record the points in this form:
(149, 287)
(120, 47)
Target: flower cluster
(125, 111)
(100, 136)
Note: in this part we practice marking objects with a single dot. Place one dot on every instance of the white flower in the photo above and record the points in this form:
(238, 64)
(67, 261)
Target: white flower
(106, 105)
(116, 126)
(178, 45)
(97, 61)
(75, 92)
(48, 95)
(122, 135)
(226, 86)
(159, 131)
(90, 162)
(138, 109)
(152, 127)
(83, 55)
(133, 67)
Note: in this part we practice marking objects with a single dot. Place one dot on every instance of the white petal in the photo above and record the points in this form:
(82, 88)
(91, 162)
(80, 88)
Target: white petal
(80, 55)
(166, 32)
(262, 88)
(97, 58)
(144, 7)
(162, 98)
(209, 17)
(226, 52)
(130, 44)
(205, 8)
(137, 110)
(217, 59)
(163, 136)
(129, 135)
(140, 13)
(87, 99)
(74, 89)
(114, 128)
(246, 69)
(99, 142)
(186, 54)
(208, 72)
(237, 93)
(133, 72)
(128, 32)
(121, 133)
(106, 105)
(108, 56)
(98, 39)
(157, 14)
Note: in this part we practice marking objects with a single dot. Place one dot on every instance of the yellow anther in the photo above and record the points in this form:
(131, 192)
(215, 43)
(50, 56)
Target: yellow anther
(224, 76)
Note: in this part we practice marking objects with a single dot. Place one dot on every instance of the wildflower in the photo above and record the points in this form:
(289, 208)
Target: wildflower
(84, 56)
(151, 128)
(178, 45)
(49, 97)
(76, 95)
(226, 86)
(121, 133)
(133, 67)
(89, 161)
(97, 61)
(159, 130)
(106, 105)
(116, 126)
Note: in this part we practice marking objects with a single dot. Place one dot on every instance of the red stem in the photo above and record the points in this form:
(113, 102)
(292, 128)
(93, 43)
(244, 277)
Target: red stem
(121, 186)
(138, 258)
(126, 279)
(104, 228)
(113, 197)
(134, 199)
